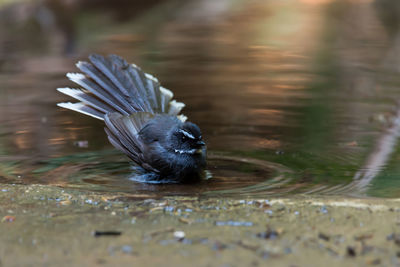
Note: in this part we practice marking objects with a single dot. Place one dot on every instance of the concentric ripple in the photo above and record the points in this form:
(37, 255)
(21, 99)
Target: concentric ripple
(108, 171)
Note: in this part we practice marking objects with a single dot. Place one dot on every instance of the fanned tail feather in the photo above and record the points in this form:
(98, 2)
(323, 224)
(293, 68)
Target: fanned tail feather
(82, 108)
(112, 85)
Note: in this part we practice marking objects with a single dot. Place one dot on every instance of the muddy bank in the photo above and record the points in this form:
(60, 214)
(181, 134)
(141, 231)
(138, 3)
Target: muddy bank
(49, 226)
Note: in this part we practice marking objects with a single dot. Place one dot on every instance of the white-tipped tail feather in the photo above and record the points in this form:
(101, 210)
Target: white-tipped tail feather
(175, 107)
(85, 98)
(112, 85)
(82, 108)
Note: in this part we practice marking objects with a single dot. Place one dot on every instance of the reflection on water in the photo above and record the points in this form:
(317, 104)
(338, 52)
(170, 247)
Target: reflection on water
(292, 96)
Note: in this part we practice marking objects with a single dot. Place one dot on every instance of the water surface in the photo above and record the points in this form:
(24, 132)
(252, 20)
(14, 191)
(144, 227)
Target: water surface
(292, 96)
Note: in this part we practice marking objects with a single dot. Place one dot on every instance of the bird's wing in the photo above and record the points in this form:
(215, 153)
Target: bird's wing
(112, 85)
(122, 131)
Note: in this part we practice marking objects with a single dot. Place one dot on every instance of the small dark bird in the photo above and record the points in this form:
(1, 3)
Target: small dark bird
(141, 118)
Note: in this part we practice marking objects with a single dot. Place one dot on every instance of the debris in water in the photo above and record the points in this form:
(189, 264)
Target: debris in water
(82, 143)
(106, 233)
(349, 144)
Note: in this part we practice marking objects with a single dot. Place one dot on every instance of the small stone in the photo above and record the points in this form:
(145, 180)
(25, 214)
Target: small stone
(65, 202)
(179, 235)
(8, 218)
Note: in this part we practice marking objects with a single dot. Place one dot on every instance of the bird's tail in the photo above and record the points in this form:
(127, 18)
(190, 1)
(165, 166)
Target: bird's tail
(111, 85)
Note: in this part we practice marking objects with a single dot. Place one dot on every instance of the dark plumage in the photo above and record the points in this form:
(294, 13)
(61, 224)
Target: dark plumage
(141, 118)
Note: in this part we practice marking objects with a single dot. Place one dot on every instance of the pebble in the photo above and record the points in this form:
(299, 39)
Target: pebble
(323, 210)
(179, 234)
(8, 218)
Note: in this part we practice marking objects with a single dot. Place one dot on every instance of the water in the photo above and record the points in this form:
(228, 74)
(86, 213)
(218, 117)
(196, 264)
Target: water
(291, 96)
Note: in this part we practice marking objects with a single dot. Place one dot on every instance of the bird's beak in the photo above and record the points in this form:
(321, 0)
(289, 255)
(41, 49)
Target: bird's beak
(200, 146)
(200, 143)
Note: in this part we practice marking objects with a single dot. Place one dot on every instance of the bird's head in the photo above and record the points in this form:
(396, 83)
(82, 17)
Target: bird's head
(188, 139)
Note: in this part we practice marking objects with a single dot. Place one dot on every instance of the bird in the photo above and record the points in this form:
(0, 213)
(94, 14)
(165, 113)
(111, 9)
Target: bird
(141, 118)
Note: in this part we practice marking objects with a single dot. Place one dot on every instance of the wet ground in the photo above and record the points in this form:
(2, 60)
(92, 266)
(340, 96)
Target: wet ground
(298, 101)
(50, 226)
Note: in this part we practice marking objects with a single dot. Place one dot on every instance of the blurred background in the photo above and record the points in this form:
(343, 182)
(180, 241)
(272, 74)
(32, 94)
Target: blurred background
(311, 85)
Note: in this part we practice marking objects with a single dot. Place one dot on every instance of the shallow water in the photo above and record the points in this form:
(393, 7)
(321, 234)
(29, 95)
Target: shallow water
(291, 96)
